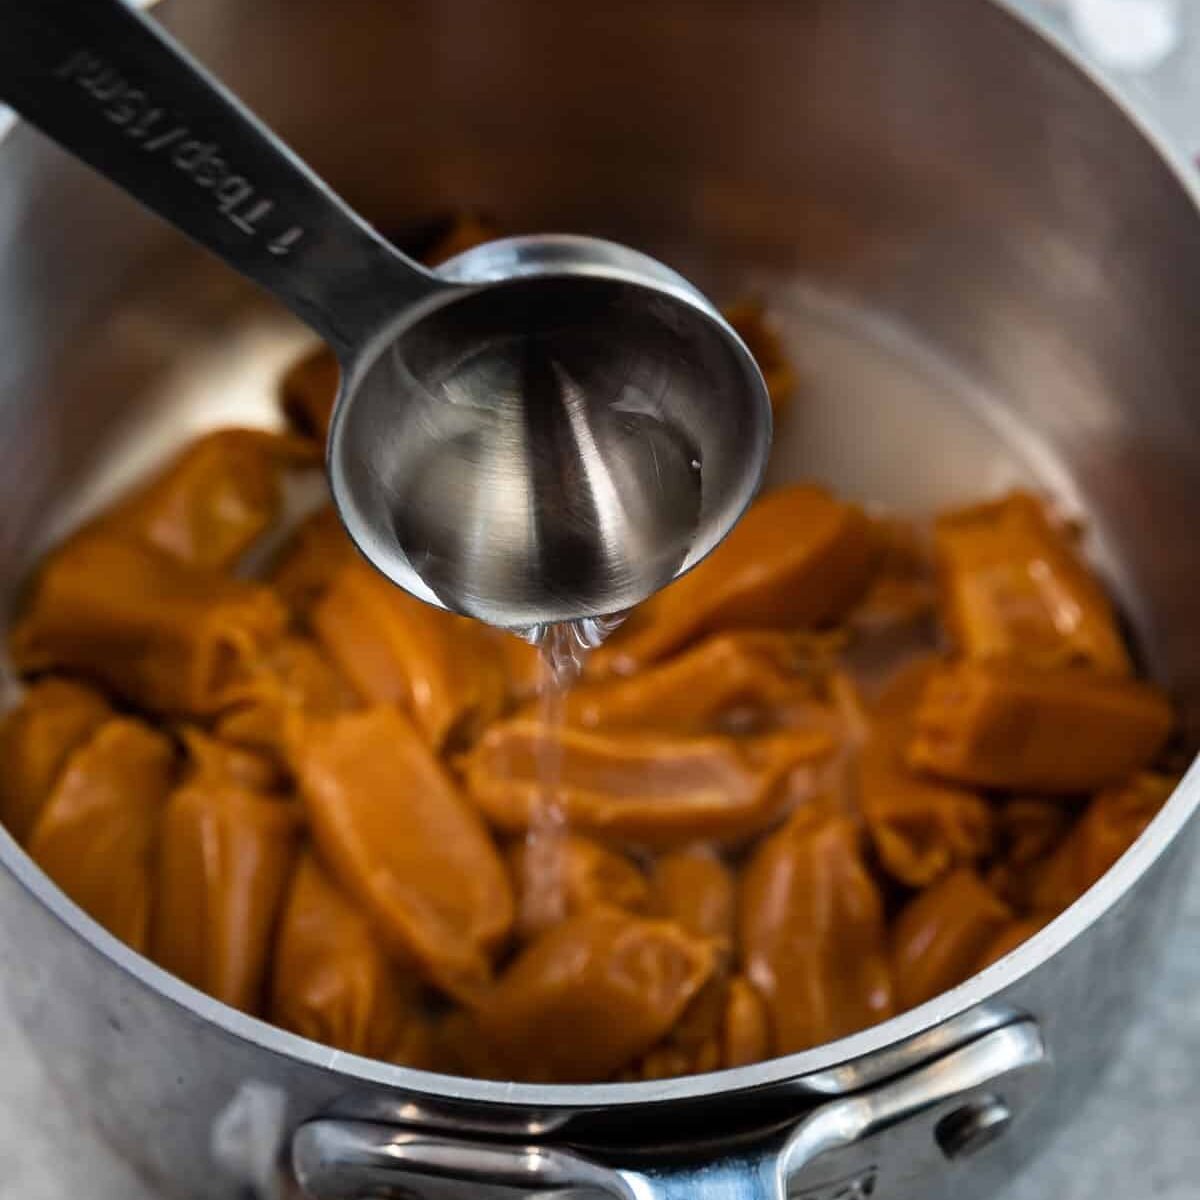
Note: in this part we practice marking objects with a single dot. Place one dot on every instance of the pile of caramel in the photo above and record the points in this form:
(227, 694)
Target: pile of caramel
(837, 769)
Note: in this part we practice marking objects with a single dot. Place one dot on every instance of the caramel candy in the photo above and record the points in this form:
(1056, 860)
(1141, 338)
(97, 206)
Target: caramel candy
(163, 636)
(902, 594)
(224, 859)
(213, 502)
(334, 984)
(307, 393)
(1112, 823)
(798, 559)
(941, 935)
(745, 1026)
(812, 933)
(588, 997)
(97, 834)
(1029, 828)
(54, 718)
(696, 890)
(728, 683)
(583, 873)
(1014, 934)
(1003, 726)
(390, 823)
(1015, 589)
(293, 676)
(309, 561)
(655, 791)
(214, 763)
(921, 828)
(448, 671)
(749, 321)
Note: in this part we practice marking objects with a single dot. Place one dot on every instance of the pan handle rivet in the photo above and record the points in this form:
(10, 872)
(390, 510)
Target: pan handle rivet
(968, 1129)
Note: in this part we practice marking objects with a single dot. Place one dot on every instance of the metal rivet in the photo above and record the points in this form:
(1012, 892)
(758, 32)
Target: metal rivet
(968, 1129)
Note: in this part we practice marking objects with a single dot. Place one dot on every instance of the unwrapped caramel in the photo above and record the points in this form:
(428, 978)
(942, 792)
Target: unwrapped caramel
(586, 997)
(654, 791)
(387, 818)
(447, 671)
(568, 875)
(213, 502)
(921, 827)
(54, 718)
(812, 933)
(1015, 589)
(798, 559)
(166, 637)
(97, 835)
(729, 683)
(223, 862)
(334, 984)
(942, 935)
(1059, 732)
(1109, 826)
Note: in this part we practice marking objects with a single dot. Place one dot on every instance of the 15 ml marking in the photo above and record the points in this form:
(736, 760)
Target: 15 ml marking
(131, 109)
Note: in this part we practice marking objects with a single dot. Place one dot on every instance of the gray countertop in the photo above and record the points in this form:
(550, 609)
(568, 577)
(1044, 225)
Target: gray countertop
(1136, 1138)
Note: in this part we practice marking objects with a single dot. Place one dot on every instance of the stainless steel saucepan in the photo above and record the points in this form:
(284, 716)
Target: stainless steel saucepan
(987, 274)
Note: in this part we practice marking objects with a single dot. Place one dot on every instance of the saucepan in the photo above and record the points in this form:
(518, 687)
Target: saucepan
(987, 274)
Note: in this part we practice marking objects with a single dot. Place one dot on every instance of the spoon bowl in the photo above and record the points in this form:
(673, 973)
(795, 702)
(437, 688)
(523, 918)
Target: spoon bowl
(563, 430)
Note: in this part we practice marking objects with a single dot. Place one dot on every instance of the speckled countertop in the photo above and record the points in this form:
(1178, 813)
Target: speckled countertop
(1136, 1138)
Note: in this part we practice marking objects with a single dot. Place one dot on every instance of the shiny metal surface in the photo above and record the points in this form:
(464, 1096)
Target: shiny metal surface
(974, 295)
(552, 430)
(574, 433)
(900, 1139)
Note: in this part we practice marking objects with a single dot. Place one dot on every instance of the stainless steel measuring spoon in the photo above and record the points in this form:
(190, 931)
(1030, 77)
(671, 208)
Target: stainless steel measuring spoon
(545, 429)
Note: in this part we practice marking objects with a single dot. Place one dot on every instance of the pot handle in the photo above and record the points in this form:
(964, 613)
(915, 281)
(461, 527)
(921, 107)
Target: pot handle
(870, 1143)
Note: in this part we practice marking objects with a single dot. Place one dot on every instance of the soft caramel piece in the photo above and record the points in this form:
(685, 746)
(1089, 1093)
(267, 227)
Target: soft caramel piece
(390, 823)
(1001, 726)
(97, 834)
(696, 890)
(583, 872)
(215, 499)
(745, 1026)
(921, 828)
(1014, 588)
(797, 559)
(168, 638)
(395, 649)
(589, 997)
(1113, 821)
(212, 762)
(1015, 934)
(1030, 827)
(309, 561)
(307, 393)
(941, 934)
(332, 982)
(812, 934)
(54, 718)
(224, 858)
(733, 683)
(749, 321)
(293, 676)
(655, 791)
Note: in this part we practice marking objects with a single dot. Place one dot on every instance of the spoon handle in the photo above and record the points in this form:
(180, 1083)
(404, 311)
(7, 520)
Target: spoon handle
(109, 86)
